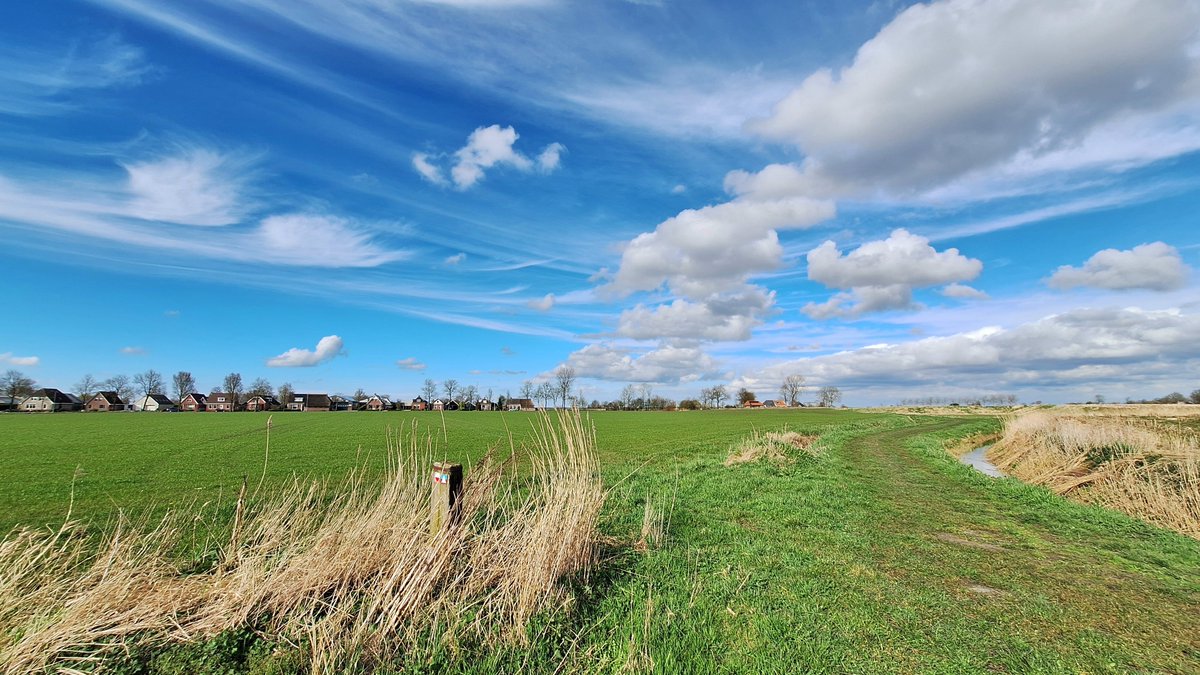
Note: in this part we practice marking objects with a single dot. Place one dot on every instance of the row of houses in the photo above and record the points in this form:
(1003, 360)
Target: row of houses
(768, 404)
(54, 400)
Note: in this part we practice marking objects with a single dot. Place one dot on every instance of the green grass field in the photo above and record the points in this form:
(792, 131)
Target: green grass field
(883, 554)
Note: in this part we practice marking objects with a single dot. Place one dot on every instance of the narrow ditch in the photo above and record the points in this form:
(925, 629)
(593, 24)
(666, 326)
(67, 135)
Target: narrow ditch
(977, 459)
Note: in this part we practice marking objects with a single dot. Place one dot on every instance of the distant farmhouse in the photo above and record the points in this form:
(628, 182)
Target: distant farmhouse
(519, 405)
(105, 401)
(50, 400)
(378, 402)
(220, 401)
(154, 403)
(310, 403)
(262, 403)
(194, 402)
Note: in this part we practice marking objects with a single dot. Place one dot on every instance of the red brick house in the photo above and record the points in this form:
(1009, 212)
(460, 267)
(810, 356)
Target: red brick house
(105, 401)
(194, 403)
(262, 403)
(220, 401)
(378, 402)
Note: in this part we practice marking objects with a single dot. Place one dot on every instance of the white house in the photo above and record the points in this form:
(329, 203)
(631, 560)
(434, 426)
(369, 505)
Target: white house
(153, 403)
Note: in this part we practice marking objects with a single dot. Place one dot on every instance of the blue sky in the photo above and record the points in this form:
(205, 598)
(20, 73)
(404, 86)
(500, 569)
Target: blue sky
(942, 199)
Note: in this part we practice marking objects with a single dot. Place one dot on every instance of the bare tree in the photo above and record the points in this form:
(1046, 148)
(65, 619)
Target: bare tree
(451, 388)
(628, 394)
(528, 390)
(792, 387)
(470, 394)
(828, 396)
(121, 385)
(15, 385)
(647, 391)
(744, 396)
(359, 394)
(260, 387)
(429, 390)
(232, 385)
(564, 381)
(149, 382)
(285, 393)
(546, 393)
(184, 384)
(719, 394)
(86, 386)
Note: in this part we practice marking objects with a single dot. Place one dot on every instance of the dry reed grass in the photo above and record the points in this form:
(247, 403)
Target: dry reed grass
(350, 572)
(1131, 461)
(777, 447)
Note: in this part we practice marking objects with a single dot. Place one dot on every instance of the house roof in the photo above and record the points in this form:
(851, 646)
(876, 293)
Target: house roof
(197, 397)
(109, 396)
(160, 399)
(54, 395)
(523, 402)
(317, 400)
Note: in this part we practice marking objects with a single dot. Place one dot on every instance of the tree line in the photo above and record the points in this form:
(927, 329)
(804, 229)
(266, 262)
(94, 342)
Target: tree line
(559, 390)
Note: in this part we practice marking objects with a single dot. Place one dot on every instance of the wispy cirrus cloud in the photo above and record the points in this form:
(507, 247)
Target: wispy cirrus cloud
(327, 348)
(42, 80)
(195, 186)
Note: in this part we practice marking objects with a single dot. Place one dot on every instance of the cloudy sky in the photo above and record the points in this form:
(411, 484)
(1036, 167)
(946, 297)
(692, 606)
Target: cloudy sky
(943, 199)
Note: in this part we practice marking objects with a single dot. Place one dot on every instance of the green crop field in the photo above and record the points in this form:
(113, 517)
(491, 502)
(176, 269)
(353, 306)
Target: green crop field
(135, 461)
(880, 554)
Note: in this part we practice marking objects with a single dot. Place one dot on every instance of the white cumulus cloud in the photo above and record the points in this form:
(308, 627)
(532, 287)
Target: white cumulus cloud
(881, 275)
(963, 292)
(1155, 266)
(722, 317)
(328, 347)
(1080, 347)
(713, 249)
(428, 170)
(666, 364)
(952, 88)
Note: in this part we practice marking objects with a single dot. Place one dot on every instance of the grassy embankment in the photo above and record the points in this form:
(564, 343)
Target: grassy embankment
(1140, 460)
(868, 550)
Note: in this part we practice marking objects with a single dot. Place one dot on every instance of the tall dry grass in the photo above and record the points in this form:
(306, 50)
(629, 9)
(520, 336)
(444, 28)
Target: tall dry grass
(1133, 461)
(777, 447)
(351, 571)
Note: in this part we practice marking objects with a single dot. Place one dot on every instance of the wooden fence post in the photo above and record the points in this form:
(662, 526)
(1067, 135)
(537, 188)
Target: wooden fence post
(447, 488)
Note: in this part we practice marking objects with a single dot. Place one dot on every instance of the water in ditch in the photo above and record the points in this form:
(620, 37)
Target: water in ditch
(977, 459)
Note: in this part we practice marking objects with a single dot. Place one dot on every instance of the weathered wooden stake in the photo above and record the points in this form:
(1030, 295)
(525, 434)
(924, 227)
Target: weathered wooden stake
(447, 487)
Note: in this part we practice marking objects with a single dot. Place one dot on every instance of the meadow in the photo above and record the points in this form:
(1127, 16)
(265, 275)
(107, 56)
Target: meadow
(864, 548)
